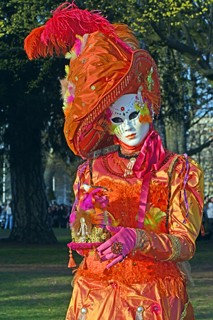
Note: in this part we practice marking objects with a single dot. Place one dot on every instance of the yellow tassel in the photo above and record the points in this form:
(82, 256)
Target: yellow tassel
(71, 263)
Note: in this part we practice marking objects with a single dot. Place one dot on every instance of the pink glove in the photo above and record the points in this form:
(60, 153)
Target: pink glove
(118, 246)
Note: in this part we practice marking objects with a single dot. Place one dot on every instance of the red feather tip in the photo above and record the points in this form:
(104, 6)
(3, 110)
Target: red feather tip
(32, 44)
(59, 33)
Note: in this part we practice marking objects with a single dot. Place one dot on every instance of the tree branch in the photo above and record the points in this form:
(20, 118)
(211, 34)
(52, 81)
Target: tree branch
(198, 149)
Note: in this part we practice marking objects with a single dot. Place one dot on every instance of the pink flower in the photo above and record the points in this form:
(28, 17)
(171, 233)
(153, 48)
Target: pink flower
(102, 200)
(70, 99)
(156, 308)
(72, 217)
(86, 203)
(94, 198)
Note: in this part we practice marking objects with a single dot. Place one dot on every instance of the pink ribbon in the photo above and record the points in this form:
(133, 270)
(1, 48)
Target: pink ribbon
(184, 185)
(149, 159)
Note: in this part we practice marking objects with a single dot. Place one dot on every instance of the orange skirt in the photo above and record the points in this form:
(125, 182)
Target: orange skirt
(137, 290)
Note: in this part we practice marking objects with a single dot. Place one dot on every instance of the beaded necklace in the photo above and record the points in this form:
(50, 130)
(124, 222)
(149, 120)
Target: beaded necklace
(125, 168)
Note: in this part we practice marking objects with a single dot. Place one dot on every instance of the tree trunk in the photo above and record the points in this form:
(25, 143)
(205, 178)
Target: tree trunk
(159, 126)
(29, 202)
(175, 136)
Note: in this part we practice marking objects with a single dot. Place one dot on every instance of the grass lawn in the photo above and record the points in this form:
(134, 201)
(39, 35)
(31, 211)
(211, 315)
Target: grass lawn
(202, 271)
(35, 280)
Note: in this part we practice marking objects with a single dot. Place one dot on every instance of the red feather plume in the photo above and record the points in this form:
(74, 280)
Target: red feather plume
(32, 44)
(59, 32)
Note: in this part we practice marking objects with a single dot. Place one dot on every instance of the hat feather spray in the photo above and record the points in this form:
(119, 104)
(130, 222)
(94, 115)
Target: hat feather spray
(59, 33)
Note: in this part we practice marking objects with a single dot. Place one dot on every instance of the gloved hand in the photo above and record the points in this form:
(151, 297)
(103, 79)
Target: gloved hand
(118, 246)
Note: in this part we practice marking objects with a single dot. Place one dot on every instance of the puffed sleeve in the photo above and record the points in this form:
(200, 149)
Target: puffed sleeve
(185, 216)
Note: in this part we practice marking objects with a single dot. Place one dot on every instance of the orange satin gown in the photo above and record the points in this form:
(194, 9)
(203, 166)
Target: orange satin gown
(148, 284)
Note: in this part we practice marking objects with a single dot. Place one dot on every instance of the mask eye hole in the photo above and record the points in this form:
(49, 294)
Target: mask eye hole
(117, 120)
(133, 115)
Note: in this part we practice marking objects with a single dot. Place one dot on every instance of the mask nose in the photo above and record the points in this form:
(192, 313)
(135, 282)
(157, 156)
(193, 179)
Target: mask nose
(127, 124)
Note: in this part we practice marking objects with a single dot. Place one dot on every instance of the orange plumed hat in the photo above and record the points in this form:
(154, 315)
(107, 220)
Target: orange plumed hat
(104, 64)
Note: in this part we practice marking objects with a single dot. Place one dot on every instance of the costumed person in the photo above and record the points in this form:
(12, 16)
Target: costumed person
(138, 207)
(9, 216)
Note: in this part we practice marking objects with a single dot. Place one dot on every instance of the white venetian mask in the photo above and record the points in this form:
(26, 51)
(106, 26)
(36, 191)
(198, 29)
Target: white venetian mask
(126, 121)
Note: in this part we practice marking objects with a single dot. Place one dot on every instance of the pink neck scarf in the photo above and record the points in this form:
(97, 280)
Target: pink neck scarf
(149, 159)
